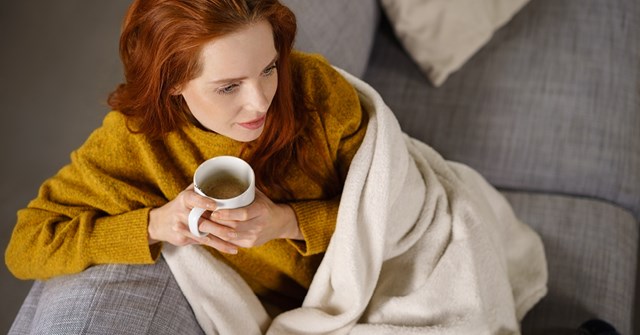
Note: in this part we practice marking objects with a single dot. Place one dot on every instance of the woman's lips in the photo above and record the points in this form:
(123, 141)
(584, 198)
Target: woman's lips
(255, 124)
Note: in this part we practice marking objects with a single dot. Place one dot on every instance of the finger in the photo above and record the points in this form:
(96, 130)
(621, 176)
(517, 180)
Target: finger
(233, 215)
(218, 244)
(257, 208)
(182, 238)
(224, 232)
(184, 235)
(231, 224)
(194, 199)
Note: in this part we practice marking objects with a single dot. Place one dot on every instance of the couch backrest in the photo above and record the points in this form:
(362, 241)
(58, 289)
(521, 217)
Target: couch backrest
(551, 104)
(340, 30)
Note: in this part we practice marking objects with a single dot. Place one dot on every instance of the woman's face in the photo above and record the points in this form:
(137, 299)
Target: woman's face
(239, 78)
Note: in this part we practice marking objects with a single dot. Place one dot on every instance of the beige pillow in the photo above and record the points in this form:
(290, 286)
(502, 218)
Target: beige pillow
(441, 35)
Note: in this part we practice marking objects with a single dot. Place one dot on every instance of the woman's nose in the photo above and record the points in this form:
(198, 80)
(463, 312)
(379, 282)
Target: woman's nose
(257, 99)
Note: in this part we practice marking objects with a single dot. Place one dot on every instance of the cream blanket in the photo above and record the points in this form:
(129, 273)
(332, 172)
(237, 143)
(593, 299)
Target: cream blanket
(422, 246)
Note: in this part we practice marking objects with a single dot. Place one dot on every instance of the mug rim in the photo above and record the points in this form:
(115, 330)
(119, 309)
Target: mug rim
(224, 158)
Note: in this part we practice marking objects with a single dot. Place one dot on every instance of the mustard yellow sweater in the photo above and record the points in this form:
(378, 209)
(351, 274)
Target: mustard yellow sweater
(95, 210)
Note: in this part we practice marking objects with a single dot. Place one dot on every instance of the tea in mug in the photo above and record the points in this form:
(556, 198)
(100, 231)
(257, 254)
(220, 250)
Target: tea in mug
(223, 186)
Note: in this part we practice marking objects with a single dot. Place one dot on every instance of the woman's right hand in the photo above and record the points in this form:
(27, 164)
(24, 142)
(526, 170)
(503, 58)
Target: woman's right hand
(170, 223)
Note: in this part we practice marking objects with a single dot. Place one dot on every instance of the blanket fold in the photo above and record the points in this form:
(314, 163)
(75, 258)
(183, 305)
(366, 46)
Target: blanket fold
(422, 246)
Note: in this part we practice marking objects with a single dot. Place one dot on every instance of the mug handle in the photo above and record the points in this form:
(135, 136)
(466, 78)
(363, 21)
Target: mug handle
(194, 217)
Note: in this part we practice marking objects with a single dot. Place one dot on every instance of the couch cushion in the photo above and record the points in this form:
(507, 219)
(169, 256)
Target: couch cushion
(551, 103)
(341, 30)
(591, 249)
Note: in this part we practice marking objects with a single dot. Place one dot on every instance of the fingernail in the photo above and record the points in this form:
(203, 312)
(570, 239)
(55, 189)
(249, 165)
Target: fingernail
(233, 251)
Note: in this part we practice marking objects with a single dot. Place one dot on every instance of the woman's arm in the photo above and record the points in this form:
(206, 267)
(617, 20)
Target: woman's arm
(316, 221)
(45, 244)
(93, 211)
(342, 125)
(317, 218)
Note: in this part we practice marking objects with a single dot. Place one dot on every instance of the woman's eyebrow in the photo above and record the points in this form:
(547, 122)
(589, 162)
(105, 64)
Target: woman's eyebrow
(226, 80)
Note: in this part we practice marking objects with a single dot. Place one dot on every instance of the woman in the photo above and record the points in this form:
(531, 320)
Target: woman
(203, 78)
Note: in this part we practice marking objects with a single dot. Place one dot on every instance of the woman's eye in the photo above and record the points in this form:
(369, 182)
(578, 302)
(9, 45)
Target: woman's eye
(227, 89)
(270, 70)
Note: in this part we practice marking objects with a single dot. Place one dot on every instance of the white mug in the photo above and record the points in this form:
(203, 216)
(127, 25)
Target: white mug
(218, 176)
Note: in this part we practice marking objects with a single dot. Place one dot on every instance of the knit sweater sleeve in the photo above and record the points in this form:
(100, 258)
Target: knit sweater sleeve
(343, 125)
(93, 211)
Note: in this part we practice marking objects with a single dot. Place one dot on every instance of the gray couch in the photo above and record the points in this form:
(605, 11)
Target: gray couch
(548, 111)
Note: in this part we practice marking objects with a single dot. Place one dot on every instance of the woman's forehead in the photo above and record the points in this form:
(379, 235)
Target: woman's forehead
(242, 53)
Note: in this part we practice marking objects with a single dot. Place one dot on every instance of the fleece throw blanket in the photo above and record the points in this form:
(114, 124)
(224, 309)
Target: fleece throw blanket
(422, 246)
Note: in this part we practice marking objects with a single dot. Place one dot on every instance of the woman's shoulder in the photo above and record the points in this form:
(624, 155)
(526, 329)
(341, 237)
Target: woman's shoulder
(114, 132)
(322, 86)
(314, 69)
(328, 95)
(308, 60)
(116, 123)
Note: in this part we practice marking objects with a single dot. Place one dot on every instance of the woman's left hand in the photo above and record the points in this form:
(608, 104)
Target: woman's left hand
(256, 224)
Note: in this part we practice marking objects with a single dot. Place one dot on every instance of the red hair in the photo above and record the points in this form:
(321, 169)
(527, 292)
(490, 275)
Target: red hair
(160, 47)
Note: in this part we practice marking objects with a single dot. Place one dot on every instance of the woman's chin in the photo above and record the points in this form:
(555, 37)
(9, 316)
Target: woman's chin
(247, 135)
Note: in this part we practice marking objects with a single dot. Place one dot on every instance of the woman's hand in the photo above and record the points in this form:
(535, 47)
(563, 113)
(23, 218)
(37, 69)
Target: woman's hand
(170, 223)
(227, 229)
(256, 224)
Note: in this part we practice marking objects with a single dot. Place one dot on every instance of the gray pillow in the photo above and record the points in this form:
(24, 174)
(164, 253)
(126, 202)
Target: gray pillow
(340, 30)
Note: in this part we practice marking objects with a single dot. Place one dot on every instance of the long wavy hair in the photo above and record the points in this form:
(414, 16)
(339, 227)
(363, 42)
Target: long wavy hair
(160, 47)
